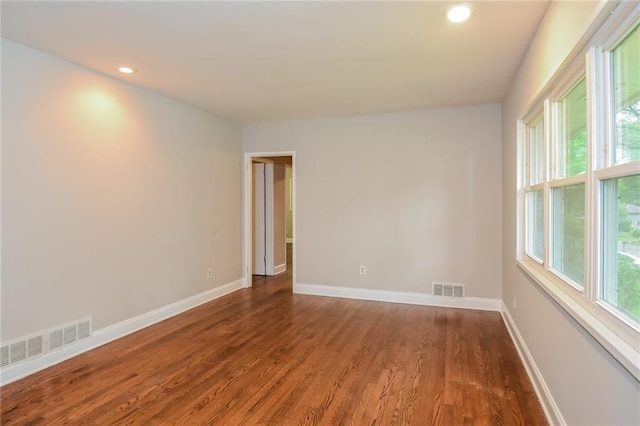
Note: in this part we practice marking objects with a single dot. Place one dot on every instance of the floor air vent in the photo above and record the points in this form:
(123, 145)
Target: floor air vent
(448, 290)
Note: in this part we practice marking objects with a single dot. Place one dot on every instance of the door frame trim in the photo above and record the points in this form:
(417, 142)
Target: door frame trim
(247, 225)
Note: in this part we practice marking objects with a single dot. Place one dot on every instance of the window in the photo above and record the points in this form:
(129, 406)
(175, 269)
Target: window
(571, 154)
(536, 152)
(621, 245)
(580, 194)
(626, 95)
(535, 224)
(534, 209)
(567, 194)
(620, 186)
(567, 230)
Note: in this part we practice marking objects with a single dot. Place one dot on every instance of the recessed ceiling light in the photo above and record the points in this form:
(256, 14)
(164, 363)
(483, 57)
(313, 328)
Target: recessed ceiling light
(126, 70)
(459, 13)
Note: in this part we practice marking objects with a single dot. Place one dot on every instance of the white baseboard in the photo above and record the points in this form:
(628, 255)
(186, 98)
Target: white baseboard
(478, 303)
(551, 410)
(116, 331)
(279, 269)
(289, 240)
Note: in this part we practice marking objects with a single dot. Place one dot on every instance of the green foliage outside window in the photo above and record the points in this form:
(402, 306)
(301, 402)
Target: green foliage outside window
(569, 201)
(569, 232)
(628, 255)
(629, 242)
(626, 71)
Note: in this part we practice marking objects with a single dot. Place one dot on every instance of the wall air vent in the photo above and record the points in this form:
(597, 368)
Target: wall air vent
(4, 355)
(448, 290)
(68, 334)
(438, 289)
(18, 351)
(84, 329)
(55, 340)
(36, 345)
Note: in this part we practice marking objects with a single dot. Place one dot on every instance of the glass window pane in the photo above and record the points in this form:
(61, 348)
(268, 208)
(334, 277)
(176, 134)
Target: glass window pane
(535, 224)
(621, 244)
(567, 232)
(626, 94)
(536, 153)
(572, 141)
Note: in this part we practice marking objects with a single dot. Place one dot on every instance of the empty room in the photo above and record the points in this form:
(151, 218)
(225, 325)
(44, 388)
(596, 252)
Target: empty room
(323, 212)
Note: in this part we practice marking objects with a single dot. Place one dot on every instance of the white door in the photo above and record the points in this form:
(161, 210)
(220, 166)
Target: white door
(262, 219)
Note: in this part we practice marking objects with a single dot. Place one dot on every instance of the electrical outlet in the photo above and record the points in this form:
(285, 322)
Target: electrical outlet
(209, 273)
(363, 270)
(514, 301)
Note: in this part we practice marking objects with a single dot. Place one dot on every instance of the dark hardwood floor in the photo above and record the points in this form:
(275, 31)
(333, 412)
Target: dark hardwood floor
(266, 356)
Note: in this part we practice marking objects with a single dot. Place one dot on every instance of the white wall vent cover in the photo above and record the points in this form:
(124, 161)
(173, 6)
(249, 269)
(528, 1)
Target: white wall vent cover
(448, 290)
(84, 329)
(22, 349)
(18, 351)
(68, 334)
(36, 345)
(4, 355)
(55, 340)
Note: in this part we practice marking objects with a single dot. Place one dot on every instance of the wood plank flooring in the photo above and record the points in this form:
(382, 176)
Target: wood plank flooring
(266, 356)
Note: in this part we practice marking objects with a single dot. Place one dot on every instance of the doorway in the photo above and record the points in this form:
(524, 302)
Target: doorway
(269, 214)
(265, 238)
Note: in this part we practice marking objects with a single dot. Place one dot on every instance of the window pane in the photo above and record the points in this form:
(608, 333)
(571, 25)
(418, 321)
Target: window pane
(626, 90)
(621, 244)
(567, 234)
(572, 142)
(535, 224)
(536, 153)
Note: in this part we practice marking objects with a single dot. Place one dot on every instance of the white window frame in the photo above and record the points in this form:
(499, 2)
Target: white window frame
(617, 333)
(531, 120)
(572, 77)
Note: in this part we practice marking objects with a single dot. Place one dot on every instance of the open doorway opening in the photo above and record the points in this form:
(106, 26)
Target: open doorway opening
(269, 219)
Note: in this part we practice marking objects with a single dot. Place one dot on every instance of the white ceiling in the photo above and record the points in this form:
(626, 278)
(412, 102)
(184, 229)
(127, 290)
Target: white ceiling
(265, 61)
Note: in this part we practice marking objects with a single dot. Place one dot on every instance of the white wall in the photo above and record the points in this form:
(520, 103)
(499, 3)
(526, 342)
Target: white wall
(587, 384)
(115, 200)
(413, 196)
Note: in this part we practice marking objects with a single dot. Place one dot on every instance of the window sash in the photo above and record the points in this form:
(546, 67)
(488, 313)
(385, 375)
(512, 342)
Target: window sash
(617, 255)
(625, 94)
(567, 249)
(536, 152)
(568, 112)
(534, 214)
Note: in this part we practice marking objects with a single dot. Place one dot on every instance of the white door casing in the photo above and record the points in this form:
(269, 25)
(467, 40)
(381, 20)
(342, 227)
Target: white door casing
(248, 222)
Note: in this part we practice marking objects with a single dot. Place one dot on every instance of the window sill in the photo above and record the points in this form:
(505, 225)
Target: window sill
(622, 351)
